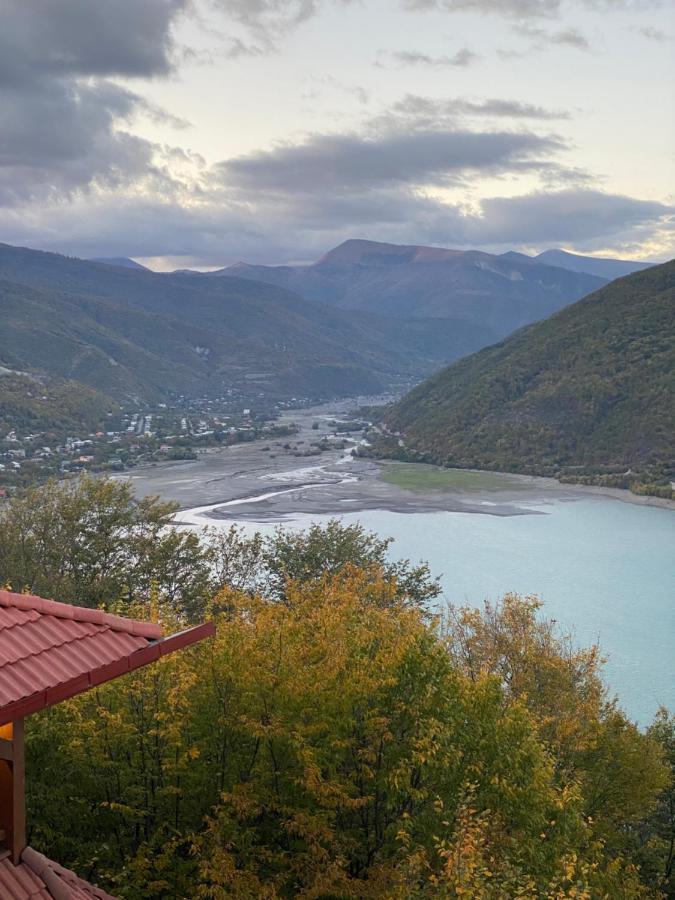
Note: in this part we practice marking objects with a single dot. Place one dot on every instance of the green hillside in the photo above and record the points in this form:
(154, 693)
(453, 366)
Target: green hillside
(588, 394)
(29, 403)
(133, 333)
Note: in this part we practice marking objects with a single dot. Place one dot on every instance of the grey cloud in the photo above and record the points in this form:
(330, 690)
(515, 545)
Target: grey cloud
(64, 124)
(518, 9)
(567, 216)
(460, 59)
(268, 14)
(429, 109)
(655, 34)
(266, 231)
(522, 9)
(356, 91)
(62, 137)
(237, 49)
(81, 38)
(266, 21)
(542, 38)
(345, 161)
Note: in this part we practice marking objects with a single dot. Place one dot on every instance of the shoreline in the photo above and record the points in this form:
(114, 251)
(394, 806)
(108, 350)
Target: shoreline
(276, 481)
(544, 483)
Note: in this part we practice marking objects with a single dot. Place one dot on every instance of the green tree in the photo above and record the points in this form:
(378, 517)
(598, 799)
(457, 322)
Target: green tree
(90, 542)
(656, 835)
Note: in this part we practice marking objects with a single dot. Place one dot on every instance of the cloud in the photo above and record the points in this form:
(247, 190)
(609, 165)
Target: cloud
(543, 38)
(56, 38)
(352, 161)
(357, 91)
(404, 58)
(267, 20)
(75, 178)
(512, 8)
(220, 231)
(577, 216)
(522, 9)
(426, 110)
(237, 48)
(65, 124)
(655, 34)
(62, 136)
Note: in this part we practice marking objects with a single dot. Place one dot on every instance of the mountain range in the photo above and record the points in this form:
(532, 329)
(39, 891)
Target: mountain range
(365, 318)
(591, 265)
(134, 333)
(588, 392)
(495, 293)
(121, 261)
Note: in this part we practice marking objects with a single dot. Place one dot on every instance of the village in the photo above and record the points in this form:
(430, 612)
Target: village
(144, 436)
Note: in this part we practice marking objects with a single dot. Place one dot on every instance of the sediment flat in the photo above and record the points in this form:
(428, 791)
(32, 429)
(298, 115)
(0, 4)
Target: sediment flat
(272, 481)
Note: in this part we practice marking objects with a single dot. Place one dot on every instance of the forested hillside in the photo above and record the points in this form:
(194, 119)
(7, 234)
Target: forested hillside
(30, 403)
(134, 333)
(589, 392)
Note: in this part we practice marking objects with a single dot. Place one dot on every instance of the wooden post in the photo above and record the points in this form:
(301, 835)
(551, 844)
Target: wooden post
(13, 788)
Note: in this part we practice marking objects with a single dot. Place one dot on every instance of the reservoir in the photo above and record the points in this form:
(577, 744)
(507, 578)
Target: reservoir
(603, 568)
(602, 562)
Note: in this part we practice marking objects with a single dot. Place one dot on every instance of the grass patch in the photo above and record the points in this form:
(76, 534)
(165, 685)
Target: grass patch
(418, 477)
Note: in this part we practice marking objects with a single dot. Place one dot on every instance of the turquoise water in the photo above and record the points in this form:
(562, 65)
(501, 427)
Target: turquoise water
(605, 569)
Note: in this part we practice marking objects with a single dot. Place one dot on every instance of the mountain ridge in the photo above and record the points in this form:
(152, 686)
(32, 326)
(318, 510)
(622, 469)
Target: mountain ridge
(479, 288)
(139, 333)
(586, 394)
(121, 262)
(603, 267)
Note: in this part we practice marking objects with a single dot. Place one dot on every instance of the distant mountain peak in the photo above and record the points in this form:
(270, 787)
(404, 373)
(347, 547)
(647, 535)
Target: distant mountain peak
(603, 267)
(356, 251)
(122, 262)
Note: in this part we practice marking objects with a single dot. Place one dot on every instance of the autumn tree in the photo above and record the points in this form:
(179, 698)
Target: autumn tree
(331, 746)
(333, 739)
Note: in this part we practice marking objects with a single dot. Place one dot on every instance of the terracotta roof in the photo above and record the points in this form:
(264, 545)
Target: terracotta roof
(52, 651)
(39, 877)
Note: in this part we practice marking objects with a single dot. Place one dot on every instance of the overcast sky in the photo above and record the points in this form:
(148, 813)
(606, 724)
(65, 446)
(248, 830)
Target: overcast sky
(199, 133)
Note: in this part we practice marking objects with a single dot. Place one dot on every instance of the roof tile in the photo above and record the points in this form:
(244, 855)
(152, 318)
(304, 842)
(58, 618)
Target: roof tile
(38, 878)
(51, 651)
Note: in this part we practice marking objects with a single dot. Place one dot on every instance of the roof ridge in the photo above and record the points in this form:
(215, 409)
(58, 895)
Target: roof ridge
(149, 630)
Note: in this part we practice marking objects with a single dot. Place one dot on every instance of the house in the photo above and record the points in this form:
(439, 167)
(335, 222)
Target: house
(50, 652)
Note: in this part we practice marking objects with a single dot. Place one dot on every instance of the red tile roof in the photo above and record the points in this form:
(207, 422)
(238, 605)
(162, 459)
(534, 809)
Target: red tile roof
(52, 651)
(39, 877)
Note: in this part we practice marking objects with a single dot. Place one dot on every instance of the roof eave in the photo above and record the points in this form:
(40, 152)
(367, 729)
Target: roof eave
(26, 706)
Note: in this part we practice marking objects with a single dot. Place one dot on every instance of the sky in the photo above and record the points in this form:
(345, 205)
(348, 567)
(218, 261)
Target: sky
(197, 133)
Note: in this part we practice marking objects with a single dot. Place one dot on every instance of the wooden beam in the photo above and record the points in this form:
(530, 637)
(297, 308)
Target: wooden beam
(13, 791)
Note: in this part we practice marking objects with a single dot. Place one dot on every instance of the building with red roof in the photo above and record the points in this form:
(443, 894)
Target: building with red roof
(50, 652)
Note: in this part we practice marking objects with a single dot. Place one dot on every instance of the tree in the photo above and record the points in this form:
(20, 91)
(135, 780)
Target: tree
(90, 542)
(656, 836)
(268, 564)
(333, 739)
(619, 771)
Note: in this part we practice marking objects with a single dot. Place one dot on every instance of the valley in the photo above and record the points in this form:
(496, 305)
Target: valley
(134, 334)
(337, 450)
